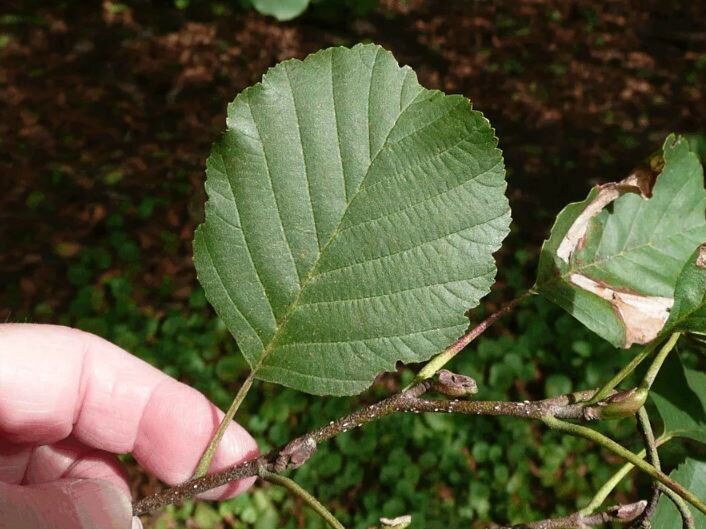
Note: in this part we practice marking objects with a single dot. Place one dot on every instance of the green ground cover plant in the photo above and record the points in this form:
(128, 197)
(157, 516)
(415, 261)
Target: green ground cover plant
(351, 223)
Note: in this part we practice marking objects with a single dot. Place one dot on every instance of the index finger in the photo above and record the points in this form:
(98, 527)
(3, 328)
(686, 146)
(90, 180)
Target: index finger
(56, 381)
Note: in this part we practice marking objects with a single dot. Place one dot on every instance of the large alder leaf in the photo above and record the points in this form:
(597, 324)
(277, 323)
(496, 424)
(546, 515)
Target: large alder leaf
(692, 475)
(613, 260)
(351, 220)
(680, 397)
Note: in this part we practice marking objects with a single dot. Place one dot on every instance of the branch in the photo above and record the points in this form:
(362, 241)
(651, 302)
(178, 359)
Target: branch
(608, 443)
(648, 436)
(292, 455)
(298, 451)
(619, 513)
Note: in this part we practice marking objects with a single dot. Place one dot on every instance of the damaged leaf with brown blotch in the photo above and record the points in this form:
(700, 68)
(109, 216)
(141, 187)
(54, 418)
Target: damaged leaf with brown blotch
(613, 260)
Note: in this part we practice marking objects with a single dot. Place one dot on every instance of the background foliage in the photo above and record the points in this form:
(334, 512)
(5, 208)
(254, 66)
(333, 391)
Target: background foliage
(109, 113)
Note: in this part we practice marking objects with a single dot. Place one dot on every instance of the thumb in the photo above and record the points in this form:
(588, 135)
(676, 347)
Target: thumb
(66, 504)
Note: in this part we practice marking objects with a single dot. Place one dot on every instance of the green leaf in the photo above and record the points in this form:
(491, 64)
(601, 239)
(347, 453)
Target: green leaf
(691, 474)
(281, 9)
(351, 219)
(689, 310)
(698, 145)
(680, 397)
(613, 260)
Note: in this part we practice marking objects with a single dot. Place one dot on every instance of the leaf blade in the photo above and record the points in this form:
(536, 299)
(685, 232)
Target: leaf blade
(689, 311)
(680, 397)
(337, 190)
(692, 475)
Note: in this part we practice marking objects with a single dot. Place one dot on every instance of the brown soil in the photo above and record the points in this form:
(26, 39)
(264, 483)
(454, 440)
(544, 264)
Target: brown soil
(102, 108)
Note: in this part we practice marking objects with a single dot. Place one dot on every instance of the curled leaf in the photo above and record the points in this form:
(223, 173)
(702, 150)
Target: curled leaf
(639, 182)
(613, 260)
(689, 312)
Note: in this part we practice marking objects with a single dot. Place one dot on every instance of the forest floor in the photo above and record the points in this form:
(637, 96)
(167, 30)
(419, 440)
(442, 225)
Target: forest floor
(105, 107)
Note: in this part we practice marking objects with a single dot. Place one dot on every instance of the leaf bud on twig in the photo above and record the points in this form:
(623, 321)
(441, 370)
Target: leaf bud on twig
(454, 385)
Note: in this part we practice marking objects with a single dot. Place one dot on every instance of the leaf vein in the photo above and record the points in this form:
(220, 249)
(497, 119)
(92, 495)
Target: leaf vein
(272, 189)
(301, 143)
(225, 289)
(394, 293)
(245, 240)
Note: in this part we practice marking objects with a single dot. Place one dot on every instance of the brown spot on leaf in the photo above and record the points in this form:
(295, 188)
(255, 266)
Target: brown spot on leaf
(640, 182)
(643, 316)
(643, 179)
(701, 258)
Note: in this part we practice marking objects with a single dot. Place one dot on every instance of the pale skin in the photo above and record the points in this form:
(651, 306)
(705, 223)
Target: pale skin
(70, 401)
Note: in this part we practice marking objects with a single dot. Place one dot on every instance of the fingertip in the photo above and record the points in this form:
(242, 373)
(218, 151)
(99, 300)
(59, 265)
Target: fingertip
(65, 504)
(176, 427)
(99, 503)
(236, 446)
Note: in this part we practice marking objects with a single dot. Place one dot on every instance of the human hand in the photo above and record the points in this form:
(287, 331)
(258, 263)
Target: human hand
(69, 401)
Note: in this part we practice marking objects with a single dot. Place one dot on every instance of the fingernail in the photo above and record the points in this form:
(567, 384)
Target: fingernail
(99, 504)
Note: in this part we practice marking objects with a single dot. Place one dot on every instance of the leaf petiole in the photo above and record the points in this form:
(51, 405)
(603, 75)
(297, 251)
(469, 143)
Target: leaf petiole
(623, 373)
(210, 452)
(440, 360)
(659, 360)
